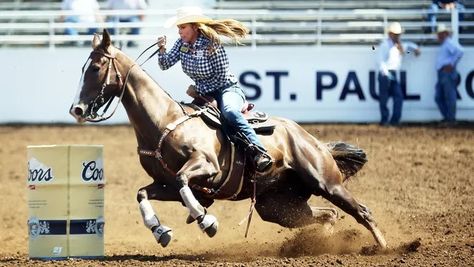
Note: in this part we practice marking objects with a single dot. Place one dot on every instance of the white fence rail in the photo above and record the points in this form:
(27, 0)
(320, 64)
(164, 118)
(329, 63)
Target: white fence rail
(267, 27)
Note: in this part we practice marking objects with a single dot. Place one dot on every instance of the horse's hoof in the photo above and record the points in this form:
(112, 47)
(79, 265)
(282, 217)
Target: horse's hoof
(209, 225)
(190, 219)
(212, 230)
(163, 235)
(165, 239)
(324, 215)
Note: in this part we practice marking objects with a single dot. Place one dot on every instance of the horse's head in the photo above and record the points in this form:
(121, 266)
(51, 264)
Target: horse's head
(101, 81)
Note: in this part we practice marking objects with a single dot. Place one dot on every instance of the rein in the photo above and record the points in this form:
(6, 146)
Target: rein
(146, 49)
(169, 128)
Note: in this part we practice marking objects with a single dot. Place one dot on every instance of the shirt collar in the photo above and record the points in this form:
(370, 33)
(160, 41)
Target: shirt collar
(200, 41)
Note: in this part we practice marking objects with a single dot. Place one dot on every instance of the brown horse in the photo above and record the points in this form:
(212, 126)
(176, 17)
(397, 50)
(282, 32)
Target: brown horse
(184, 155)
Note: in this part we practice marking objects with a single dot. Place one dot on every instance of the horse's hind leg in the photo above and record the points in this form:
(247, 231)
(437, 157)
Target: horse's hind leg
(290, 209)
(342, 198)
(161, 233)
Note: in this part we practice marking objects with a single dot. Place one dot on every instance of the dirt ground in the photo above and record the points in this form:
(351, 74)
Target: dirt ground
(419, 184)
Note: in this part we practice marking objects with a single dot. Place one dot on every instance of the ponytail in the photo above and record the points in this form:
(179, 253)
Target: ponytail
(230, 28)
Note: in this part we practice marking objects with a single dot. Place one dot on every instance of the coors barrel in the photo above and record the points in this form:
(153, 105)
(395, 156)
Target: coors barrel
(66, 201)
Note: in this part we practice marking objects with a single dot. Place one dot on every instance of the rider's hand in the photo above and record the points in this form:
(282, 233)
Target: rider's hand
(161, 43)
(192, 91)
(417, 52)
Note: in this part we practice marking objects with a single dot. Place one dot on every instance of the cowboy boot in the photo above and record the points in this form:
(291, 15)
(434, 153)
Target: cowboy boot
(262, 161)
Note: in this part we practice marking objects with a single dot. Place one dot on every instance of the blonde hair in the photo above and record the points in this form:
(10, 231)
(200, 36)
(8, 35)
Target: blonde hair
(231, 28)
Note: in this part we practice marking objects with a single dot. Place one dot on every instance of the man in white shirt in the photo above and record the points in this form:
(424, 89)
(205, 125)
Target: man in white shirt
(127, 5)
(390, 54)
(449, 54)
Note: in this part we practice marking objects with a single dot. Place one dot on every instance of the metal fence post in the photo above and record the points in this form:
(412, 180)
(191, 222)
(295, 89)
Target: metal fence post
(51, 32)
(319, 30)
(254, 32)
(455, 24)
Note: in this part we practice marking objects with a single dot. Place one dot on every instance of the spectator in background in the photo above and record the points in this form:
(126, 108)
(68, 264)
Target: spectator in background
(86, 13)
(127, 5)
(449, 54)
(436, 5)
(391, 51)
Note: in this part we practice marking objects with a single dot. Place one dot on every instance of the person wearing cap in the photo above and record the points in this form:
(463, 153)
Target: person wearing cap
(390, 53)
(449, 54)
(204, 60)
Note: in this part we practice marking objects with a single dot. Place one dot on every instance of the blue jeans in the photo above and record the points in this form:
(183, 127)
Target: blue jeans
(446, 95)
(74, 31)
(231, 101)
(389, 87)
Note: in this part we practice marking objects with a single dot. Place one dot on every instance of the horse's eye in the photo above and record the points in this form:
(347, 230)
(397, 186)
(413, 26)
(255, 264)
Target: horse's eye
(95, 68)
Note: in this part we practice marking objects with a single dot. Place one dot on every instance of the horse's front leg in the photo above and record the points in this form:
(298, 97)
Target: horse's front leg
(156, 191)
(197, 167)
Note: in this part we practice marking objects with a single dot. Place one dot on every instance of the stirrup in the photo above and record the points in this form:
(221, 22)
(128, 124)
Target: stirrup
(262, 162)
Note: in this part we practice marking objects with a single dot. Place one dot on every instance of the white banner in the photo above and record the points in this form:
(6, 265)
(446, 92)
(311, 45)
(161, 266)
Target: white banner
(306, 84)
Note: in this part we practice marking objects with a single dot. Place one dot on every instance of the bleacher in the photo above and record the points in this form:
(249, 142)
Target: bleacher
(30, 25)
(342, 21)
(272, 22)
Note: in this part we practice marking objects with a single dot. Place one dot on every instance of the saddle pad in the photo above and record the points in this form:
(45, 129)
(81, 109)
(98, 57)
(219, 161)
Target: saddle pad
(257, 120)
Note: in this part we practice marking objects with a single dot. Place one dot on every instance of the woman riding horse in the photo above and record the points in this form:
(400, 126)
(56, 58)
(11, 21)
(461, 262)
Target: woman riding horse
(181, 153)
(204, 60)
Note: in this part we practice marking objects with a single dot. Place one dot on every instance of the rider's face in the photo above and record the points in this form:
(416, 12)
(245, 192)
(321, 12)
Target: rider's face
(188, 32)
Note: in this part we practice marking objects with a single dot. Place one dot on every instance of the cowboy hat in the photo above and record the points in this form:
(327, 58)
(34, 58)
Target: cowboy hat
(188, 14)
(442, 28)
(395, 28)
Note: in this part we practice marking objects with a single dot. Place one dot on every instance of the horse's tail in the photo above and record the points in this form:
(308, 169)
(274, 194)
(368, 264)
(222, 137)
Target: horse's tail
(349, 159)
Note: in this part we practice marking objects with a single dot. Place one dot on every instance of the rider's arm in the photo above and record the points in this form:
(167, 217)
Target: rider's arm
(168, 59)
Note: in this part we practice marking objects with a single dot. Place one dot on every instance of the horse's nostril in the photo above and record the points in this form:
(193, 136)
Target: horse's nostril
(78, 111)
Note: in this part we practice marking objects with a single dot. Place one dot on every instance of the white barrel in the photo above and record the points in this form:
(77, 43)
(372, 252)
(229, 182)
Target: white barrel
(66, 201)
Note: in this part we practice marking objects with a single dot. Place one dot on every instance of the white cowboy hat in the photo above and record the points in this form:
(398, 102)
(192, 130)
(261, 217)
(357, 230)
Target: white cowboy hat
(395, 28)
(190, 14)
(442, 28)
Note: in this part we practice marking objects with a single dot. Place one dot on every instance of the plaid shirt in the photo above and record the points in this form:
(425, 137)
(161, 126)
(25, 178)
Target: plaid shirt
(209, 70)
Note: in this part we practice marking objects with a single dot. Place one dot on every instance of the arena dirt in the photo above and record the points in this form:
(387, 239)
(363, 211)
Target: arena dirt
(419, 184)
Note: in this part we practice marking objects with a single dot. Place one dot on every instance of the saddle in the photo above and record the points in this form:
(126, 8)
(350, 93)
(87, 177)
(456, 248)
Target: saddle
(211, 115)
(233, 179)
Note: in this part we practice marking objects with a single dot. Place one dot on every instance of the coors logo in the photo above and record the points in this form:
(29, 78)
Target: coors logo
(92, 171)
(38, 172)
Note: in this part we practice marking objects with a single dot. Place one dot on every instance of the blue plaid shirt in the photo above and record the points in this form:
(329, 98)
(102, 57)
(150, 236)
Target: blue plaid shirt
(208, 69)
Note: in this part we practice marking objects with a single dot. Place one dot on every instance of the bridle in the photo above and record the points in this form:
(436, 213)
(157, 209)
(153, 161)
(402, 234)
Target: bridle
(99, 99)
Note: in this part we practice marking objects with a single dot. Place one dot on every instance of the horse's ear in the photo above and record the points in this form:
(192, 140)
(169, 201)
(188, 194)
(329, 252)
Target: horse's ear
(105, 39)
(96, 41)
